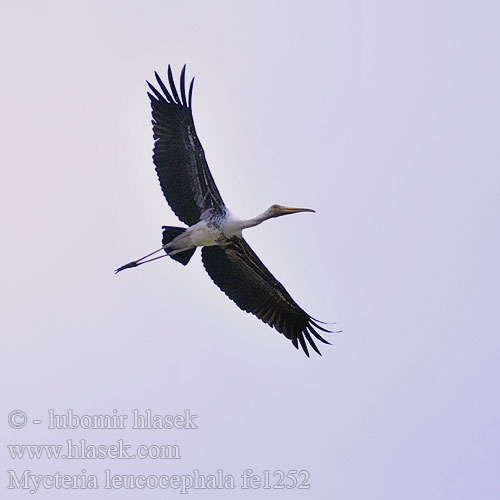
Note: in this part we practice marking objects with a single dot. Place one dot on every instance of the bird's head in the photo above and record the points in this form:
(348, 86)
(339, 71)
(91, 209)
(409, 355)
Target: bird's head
(279, 210)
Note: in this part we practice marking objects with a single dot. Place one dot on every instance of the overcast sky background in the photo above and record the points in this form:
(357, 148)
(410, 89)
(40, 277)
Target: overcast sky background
(382, 116)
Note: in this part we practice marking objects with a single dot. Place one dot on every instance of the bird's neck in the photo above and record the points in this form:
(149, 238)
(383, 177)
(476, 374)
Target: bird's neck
(255, 221)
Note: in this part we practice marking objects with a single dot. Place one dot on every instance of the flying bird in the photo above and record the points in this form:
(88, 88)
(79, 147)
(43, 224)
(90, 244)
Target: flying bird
(190, 190)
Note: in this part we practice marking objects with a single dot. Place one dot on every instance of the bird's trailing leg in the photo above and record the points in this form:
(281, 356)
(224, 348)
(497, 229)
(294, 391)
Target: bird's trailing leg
(140, 261)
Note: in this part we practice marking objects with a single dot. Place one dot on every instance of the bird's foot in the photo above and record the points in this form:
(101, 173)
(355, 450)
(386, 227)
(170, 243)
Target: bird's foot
(127, 266)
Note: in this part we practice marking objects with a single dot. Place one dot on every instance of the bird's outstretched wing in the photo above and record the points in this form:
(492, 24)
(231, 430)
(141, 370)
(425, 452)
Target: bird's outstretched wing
(240, 274)
(180, 162)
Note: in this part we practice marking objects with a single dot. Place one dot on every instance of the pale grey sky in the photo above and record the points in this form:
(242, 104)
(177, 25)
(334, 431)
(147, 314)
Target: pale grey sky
(384, 117)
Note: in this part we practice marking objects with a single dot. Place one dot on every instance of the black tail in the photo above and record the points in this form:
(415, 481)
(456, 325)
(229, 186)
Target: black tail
(171, 232)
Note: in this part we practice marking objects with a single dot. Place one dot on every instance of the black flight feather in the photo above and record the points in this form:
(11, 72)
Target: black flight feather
(242, 276)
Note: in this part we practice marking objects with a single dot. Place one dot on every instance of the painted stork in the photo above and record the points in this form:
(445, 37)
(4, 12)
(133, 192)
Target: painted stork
(191, 192)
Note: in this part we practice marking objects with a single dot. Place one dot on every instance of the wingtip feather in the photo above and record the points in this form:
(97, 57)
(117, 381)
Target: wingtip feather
(318, 336)
(164, 89)
(152, 97)
(311, 341)
(172, 86)
(183, 85)
(303, 344)
(191, 91)
(315, 324)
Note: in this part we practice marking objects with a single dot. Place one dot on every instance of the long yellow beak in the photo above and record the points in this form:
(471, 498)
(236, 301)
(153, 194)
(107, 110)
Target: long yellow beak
(281, 210)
